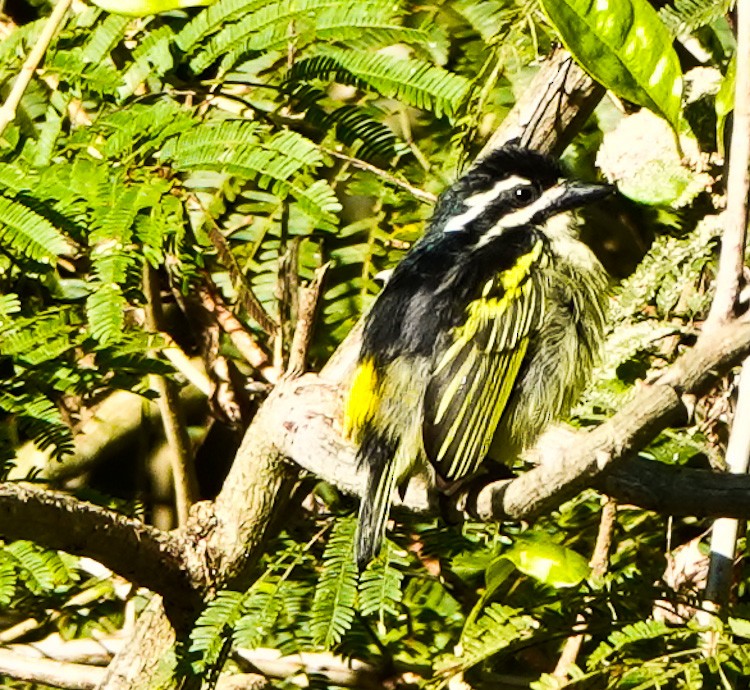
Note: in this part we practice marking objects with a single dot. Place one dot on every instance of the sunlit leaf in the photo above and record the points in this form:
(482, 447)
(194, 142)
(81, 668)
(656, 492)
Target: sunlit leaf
(142, 8)
(725, 101)
(548, 562)
(623, 45)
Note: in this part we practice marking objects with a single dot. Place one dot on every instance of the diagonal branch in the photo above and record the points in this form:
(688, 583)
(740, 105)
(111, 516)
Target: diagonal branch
(29, 67)
(303, 417)
(651, 409)
(164, 562)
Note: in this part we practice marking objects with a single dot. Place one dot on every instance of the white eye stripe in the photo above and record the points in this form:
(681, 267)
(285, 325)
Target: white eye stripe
(483, 198)
(523, 215)
(478, 202)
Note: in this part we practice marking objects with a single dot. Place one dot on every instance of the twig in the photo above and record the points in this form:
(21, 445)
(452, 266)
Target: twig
(403, 117)
(175, 428)
(384, 175)
(9, 108)
(180, 361)
(250, 303)
(90, 651)
(241, 337)
(733, 241)
(728, 284)
(19, 630)
(725, 530)
(303, 330)
(336, 670)
(84, 598)
(48, 672)
(286, 290)
(599, 564)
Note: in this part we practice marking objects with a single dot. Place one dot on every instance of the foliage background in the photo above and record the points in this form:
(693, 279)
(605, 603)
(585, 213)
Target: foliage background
(235, 150)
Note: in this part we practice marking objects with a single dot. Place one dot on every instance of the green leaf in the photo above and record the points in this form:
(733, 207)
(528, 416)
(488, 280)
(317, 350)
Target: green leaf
(9, 304)
(104, 38)
(264, 604)
(105, 308)
(623, 45)
(685, 16)
(641, 156)
(415, 82)
(42, 570)
(213, 626)
(740, 627)
(498, 628)
(725, 101)
(7, 579)
(629, 634)
(23, 231)
(497, 572)
(335, 596)
(153, 57)
(142, 8)
(380, 584)
(548, 562)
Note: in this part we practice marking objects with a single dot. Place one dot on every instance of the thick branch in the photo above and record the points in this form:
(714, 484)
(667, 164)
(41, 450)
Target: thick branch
(553, 109)
(254, 495)
(161, 561)
(651, 409)
(304, 418)
(671, 490)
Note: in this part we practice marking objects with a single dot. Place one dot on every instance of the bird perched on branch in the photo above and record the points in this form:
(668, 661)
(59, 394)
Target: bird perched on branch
(486, 331)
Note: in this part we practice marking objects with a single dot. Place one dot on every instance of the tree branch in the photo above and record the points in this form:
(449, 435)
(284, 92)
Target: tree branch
(48, 672)
(241, 337)
(554, 107)
(53, 23)
(733, 240)
(309, 297)
(163, 562)
(184, 479)
(651, 409)
(304, 418)
(671, 490)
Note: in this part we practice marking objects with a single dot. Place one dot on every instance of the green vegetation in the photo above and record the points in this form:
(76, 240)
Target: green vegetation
(179, 183)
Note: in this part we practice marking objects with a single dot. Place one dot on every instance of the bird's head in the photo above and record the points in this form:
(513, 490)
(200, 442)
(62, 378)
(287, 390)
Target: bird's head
(510, 188)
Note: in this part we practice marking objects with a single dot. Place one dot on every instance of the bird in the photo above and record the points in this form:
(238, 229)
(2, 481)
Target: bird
(486, 331)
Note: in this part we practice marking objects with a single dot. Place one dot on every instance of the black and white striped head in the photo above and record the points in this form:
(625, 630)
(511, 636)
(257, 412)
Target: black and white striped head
(512, 187)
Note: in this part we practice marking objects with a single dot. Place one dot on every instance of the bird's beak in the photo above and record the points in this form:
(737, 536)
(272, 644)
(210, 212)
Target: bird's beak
(582, 193)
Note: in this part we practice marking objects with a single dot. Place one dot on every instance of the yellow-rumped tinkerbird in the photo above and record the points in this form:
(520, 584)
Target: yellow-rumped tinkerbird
(485, 332)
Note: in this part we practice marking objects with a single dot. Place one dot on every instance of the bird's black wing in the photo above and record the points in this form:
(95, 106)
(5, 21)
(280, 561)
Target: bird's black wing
(473, 379)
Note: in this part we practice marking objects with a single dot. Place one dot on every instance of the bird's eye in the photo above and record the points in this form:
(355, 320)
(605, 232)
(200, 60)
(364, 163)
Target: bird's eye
(523, 196)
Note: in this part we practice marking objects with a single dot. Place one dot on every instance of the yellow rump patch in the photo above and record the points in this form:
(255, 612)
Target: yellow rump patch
(363, 398)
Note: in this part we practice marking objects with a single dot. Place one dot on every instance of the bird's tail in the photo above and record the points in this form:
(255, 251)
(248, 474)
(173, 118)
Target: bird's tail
(376, 454)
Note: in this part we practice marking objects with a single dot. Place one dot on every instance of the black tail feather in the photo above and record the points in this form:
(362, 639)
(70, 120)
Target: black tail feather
(376, 455)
